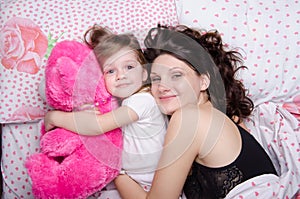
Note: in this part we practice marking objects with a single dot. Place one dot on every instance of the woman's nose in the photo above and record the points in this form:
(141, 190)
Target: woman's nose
(163, 87)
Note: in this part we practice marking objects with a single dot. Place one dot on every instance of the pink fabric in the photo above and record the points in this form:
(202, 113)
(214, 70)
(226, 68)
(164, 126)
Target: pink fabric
(294, 106)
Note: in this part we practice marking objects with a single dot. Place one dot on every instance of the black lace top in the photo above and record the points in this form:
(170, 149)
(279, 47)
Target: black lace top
(210, 183)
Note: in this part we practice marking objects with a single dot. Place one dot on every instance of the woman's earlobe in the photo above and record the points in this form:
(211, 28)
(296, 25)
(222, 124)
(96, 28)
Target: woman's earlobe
(205, 81)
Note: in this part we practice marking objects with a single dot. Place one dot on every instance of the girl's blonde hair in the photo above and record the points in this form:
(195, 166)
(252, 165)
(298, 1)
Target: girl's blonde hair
(105, 43)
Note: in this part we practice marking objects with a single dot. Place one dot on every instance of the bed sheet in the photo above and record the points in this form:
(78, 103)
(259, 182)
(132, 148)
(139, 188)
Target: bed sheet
(278, 131)
(18, 141)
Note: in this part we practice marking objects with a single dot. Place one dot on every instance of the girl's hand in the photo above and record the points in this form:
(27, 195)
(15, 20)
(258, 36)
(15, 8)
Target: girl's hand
(48, 121)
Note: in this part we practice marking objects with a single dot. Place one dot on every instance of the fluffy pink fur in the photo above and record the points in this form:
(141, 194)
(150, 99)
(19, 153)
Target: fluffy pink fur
(69, 165)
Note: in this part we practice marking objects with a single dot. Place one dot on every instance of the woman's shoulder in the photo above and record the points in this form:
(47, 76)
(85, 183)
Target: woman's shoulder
(202, 116)
(192, 114)
(202, 110)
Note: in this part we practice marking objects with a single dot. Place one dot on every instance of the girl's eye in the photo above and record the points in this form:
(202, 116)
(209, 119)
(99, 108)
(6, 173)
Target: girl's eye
(111, 71)
(131, 64)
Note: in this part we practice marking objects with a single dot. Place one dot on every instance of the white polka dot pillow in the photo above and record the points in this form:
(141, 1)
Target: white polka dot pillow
(29, 29)
(268, 34)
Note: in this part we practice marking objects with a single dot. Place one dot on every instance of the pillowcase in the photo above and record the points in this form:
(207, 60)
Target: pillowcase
(267, 35)
(29, 29)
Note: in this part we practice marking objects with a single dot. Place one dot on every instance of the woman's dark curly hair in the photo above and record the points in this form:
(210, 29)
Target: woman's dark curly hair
(225, 91)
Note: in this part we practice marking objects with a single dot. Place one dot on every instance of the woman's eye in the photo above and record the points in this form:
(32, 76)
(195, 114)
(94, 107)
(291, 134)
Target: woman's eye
(155, 79)
(130, 67)
(176, 76)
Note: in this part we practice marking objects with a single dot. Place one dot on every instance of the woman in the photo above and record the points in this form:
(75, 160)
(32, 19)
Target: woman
(206, 151)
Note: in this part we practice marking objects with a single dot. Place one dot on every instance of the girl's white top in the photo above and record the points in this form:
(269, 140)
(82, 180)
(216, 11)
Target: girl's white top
(143, 139)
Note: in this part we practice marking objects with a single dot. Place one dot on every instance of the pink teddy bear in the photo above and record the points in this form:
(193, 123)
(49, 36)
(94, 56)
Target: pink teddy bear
(70, 165)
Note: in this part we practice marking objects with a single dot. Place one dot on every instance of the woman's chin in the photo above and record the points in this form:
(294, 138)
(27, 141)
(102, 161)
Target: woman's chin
(167, 110)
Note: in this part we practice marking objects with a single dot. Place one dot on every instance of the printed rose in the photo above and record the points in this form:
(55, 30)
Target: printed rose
(23, 45)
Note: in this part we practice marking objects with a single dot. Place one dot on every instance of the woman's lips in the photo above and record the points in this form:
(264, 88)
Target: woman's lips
(166, 98)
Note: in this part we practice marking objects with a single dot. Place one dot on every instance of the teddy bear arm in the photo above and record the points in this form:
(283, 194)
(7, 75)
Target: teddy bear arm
(60, 142)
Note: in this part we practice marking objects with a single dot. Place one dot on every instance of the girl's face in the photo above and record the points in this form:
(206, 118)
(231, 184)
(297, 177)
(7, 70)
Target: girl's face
(175, 84)
(123, 74)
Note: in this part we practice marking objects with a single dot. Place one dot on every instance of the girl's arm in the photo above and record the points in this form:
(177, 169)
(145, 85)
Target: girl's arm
(90, 123)
(180, 149)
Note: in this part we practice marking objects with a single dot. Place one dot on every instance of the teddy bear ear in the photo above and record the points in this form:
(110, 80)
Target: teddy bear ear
(67, 70)
(86, 81)
(69, 64)
(61, 71)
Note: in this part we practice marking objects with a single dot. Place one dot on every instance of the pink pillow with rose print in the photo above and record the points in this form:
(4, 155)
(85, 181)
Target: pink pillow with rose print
(24, 45)
(29, 29)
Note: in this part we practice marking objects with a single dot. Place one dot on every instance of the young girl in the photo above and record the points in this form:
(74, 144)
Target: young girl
(206, 151)
(143, 125)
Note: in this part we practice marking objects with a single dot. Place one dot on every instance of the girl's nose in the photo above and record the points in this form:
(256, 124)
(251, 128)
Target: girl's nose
(120, 75)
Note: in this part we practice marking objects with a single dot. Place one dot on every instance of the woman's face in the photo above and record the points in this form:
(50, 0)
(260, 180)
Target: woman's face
(175, 84)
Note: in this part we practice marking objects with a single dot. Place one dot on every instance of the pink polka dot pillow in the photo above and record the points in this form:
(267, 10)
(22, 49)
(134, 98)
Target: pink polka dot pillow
(29, 29)
(269, 37)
